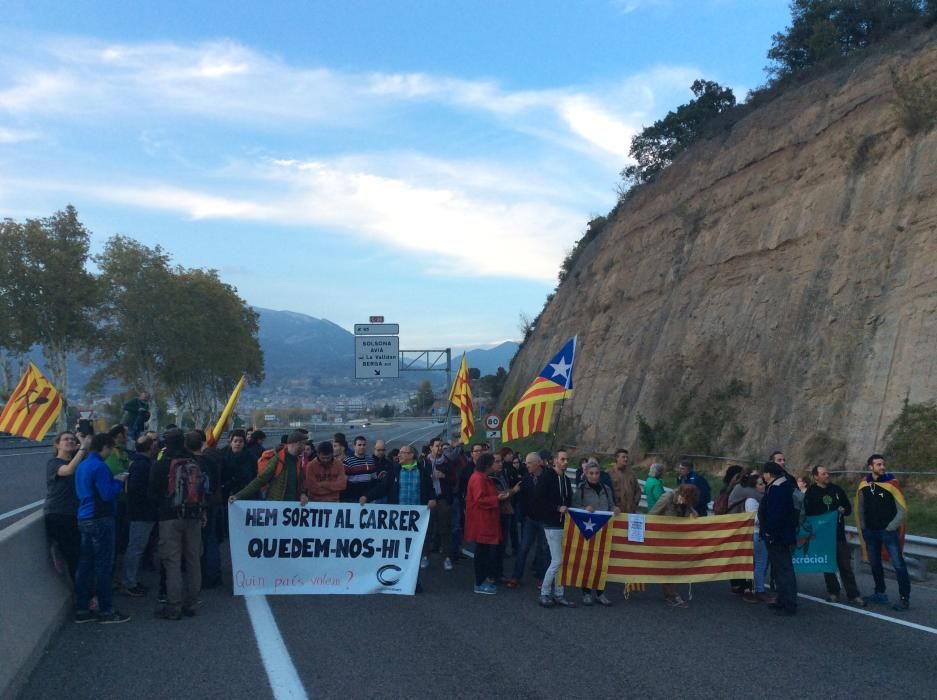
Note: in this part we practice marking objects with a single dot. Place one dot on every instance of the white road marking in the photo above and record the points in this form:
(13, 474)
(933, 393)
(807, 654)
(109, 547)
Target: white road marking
(868, 613)
(284, 680)
(22, 509)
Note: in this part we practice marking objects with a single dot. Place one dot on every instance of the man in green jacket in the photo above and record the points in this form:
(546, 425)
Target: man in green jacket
(281, 475)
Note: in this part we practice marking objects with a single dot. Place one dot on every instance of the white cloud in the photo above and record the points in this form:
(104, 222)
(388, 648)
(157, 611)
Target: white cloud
(225, 81)
(17, 135)
(626, 7)
(542, 159)
(523, 235)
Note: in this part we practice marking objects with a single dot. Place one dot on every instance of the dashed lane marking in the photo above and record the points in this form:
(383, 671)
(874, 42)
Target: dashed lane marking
(284, 680)
(868, 613)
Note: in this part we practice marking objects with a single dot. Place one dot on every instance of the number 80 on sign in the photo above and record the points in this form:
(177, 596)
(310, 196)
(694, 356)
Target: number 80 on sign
(492, 421)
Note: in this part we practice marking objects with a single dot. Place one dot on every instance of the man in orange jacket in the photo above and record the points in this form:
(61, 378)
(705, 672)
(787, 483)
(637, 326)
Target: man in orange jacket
(325, 477)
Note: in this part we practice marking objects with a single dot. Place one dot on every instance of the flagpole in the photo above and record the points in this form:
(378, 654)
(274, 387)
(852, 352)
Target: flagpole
(556, 423)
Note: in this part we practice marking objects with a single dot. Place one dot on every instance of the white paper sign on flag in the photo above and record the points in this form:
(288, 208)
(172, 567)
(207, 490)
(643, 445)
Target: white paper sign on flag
(635, 527)
(282, 548)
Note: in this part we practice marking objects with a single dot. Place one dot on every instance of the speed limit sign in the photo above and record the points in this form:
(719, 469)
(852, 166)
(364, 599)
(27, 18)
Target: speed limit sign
(492, 421)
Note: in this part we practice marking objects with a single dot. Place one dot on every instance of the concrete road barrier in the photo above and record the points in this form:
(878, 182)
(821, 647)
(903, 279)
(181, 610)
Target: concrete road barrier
(34, 601)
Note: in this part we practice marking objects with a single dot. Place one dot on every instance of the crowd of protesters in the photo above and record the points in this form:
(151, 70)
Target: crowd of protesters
(111, 509)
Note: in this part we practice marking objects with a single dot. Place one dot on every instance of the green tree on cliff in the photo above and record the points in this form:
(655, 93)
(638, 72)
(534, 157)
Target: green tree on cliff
(824, 29)
(656, 147)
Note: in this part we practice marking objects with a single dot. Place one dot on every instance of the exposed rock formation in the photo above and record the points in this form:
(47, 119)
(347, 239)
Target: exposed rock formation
(796, 251)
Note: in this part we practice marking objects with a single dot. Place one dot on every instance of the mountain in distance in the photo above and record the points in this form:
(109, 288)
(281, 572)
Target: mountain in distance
(306, 356)
(296, 345)
(488, 360)
(307, 359)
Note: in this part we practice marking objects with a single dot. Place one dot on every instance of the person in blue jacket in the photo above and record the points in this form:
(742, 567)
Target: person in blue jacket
(686, 474)
(778, 520)
(97, 491)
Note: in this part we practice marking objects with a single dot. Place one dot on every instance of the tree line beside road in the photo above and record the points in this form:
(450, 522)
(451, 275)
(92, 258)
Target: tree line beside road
(147, 324)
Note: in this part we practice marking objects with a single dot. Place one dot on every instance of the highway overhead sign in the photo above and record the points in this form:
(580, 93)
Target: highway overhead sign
(376, 319)
(492, 421)
(377, 357)
(377, 328)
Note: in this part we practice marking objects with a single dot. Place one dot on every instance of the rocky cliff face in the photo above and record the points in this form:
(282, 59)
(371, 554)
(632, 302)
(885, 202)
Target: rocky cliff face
(796, 251)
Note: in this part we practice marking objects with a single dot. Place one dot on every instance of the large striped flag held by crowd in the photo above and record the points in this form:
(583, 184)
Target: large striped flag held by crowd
(587, 541)
(534, 410)
(461, 396)
(32, 408)
(682, 550)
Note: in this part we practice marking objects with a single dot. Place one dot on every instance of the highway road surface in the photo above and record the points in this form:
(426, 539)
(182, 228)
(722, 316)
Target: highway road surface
(22, 465)
(451, 643)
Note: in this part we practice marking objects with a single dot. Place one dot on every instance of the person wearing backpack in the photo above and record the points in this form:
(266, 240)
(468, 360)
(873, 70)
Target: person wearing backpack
(179, 488)
(278, 472)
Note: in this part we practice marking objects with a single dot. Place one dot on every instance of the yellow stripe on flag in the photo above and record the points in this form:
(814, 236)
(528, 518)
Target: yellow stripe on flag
(32, 408)
(461, 396)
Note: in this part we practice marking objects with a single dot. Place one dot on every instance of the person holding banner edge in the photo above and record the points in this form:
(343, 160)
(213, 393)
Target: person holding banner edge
(593, 495)
(823, 496)
(405, 484)
(552, 497)
(280, 474)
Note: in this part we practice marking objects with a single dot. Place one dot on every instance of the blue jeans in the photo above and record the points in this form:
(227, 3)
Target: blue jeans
(531, 538)
(136, 545)
(95, 563)
(874, 541)
(761, 564)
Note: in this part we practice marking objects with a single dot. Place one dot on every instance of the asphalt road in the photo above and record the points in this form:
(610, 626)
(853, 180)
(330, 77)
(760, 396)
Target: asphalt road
(449, 642)
(22, 468)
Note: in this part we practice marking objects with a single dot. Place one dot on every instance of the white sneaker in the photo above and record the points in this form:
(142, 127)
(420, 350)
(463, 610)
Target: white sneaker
(447, 564)
(424, 562)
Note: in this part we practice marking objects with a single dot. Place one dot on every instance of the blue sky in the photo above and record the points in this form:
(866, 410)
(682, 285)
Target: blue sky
(431, 162)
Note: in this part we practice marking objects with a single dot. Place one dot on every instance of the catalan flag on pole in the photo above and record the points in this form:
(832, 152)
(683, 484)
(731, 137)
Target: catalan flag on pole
(587, 542)
(681, 550)
(32, 408)
(534, 410)
(461, 396)
(214, 435)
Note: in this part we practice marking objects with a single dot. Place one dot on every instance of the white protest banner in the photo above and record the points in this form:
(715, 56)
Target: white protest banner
(282, 548)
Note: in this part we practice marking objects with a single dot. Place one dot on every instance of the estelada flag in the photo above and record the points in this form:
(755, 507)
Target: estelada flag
(213, 435)
(461, 396)
(534, 409)
(683, 550)
(890, 484)
(587, 542)
(32, 408)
